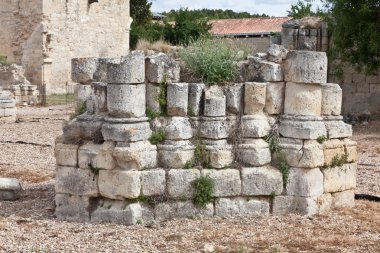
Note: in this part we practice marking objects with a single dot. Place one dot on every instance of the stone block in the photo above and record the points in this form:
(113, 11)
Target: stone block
(276, 53)
(153, 182)
(345, 199)
(72, 208)
(82, 93)
(100, 74)
(74, 181)
(131, 69)
(305, 182)
(160, 66)
(179, 183)
(178, 128)
(254, 98)
(215, 102)
(302, 129)
(175, 154)
(275, 96)
(261, 181)
(254, 126)
(100, 97)
(234, 98)
(303, 99)
(126, 100)
(227, 182)
(305, 67)
(66, 154)
(293, 204)
(253, 152)
(338, 129)
(83, 69)
(331, 99)
(221, 156)
(350, 149)
(96, 156)
(241, 206)
(195, 98)
(263, 71)
(177, 99)
(127, 131)
(324, 203)
(339, 179)
(79, 130)
(117, 184)
(152, 95)
(186, 209)
(135, 156)
(10, 188)
(7, 112)
(333, 148)
(213, 128)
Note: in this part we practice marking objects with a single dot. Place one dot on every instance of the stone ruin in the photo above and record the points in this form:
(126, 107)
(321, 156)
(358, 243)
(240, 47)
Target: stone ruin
(7, 107)
(274, 143)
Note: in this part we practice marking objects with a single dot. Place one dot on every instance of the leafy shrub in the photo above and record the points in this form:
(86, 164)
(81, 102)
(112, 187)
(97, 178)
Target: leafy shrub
(204, 191)
(157, 137)
(202, 156)
(321, 139)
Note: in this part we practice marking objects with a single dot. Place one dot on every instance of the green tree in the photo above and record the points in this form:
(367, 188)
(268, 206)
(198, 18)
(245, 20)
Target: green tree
(140, 11)
(304, 8)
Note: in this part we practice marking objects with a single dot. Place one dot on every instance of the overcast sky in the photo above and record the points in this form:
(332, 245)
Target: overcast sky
(276, 8)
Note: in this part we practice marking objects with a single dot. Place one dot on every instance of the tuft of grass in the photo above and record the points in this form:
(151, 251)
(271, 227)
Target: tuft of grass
(284, 167)
(4, 61)
(273, 139)
(202, 155)
(145, 200)
(157, 137)
(151, 114)
(158, 46)
(94, 170)
(204, 191)
(79, 110)
(189, 164)
(338, 161)
(321, 139)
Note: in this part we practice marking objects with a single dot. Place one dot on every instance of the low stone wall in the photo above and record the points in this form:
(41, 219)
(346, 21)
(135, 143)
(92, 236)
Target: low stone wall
(7, 107)
(273, 143)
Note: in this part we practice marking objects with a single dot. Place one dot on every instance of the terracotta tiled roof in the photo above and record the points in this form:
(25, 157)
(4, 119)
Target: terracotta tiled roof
(247, 26)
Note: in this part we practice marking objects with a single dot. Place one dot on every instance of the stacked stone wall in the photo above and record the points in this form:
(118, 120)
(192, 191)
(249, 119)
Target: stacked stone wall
(273, 143)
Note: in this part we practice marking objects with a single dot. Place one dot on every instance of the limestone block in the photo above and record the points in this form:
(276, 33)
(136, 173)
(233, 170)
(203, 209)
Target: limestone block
(302, 153)
(338, 129)
(100, 97)
(7, 104)
(10, 188)
(177, 99)
(324, 203)
(152, 95)
(126, 100)
(305, 67)
(275, 96)
(221, 156)
(82, 93)
(276, 53)
(195, 97)
(66, 154)
(303, 99)
(131, 69)
(227, 182)
(260, 70)
(82, 129)
(160, 66)
(333, 148)
(339, 179)
(234, 98)
(117, 184)
(350, 149)
(7, 112)
(254, 126)
(178, 128)
(153, 182)
(185, 209)
(215, 102)
(331, 99)
(179, 183)
(261, 181)
(100, 74)
(305, 182)
(175, 154)
(96, 156)
(72, 208)
(254, 97)
(253, 152)
(213, 128)
(83, 69)
(135, 156)
(345, 199)
(127, 131)
(302, 129)
(293, 204)
(76, 182)
(241, 206)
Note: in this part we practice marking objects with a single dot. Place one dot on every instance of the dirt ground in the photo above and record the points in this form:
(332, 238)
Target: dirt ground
(29, 225)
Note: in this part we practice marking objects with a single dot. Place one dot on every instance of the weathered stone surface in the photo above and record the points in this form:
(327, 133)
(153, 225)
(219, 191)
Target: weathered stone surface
(82, 93)
(160, 66)
(213, 128)
(254, 97)
(175, 154)
(305, 182)
(135, 155)
(338, 129)
(339, 179)
(333, 149)
(234, 98)
(276, 53)
(261, 181)
(177, 99)
(83, 69)
(131, 69)
(324, 203)
(180, 183)
(186, 209)
(350, 149)
(100, 74)
(82, 129)
(302, 129)
(259, 70)
(72, 208)
(153, 182)
(100, 97)
(275, 96)
(331, 99)
(96, 156)
(305, 67)
(302, 153)
(10, 188)
(195, 97)
(303, 99)
(152, 95)
(215, 102)
(80, 182)
(311, 22)
(126, 100)
(345, 199)
(221, 156)
(227, 182)
(178, 128)
(253, 152)
(126, 132)
(241, 206)
(66, 154)
(293, 204)
(117, 184)
(254, 126)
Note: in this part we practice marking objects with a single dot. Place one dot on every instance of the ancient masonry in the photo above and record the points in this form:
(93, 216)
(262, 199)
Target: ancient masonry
(7, 107)
(274, 143)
